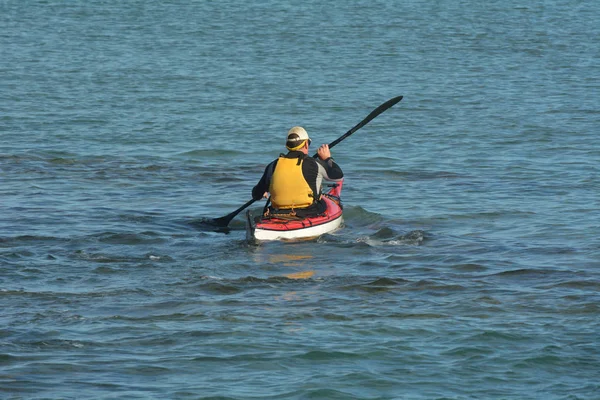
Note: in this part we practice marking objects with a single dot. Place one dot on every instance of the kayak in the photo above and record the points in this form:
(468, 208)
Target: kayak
(266, 228)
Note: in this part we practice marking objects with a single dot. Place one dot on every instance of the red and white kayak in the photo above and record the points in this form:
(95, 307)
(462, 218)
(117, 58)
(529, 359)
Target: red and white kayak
(268, 228)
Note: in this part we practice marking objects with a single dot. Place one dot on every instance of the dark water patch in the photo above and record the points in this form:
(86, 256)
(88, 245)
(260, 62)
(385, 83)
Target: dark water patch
(388, 237)
(7, 359)
(336, 317)
(106, 270)
(543, 361)
(552, 250)
(130, 238)
(387, 282)
(57, 344)
(384, 233)
(358, 216)
(322, 355)
(418, 175)
(62, 161)
(146, 370)
(272, 280)
(47, 161)
(498, 337)
(470, 267)
(372, 264)
(51, 367)
(155, 168)
(16, 255)
(524, 273)
(29, 240)
(547, 278)
(366, 284)
(330, 394)
(137, 218)
(231, 185)
(489, 300)
(154, 340)
(586, 285)
(211, 153)
(150, 317)
(239, 285)
(63, 316)
(100, 257)
(243, 357)
(206, 333)
(118, 258)
(220, 288)
(436, 288)
(487, 215)
(65, 296)
(417, 316)
(18, 385)
(470, 352)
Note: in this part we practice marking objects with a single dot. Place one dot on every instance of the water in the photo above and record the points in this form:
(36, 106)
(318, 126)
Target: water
(468, 266)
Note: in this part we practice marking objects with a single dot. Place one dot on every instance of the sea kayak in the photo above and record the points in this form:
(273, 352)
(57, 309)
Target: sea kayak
(266, 228)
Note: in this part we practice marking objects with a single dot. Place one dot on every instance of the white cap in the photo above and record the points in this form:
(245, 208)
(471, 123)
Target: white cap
(296, 137)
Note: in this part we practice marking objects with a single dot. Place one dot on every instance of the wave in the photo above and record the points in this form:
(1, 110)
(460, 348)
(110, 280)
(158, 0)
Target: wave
(126, 238)
(13, 241)
(322, 355)
(388, 237)
(357, 215)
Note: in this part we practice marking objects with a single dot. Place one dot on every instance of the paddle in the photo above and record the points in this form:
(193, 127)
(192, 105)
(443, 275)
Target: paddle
(223, 221)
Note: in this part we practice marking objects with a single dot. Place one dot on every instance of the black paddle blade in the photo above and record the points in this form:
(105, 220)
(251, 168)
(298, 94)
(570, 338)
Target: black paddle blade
(211, 224)
(220, 224)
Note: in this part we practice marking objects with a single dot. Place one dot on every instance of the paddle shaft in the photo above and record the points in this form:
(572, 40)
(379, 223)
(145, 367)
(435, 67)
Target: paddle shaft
(225, 220)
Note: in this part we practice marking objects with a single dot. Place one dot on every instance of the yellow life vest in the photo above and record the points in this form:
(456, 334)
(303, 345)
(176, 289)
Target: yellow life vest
(288, 188)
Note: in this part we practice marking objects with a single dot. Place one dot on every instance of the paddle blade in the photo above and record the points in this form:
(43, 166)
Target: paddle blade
(220, 224)
(212, 224)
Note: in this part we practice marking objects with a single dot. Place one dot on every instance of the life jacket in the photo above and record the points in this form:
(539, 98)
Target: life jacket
(288, 187)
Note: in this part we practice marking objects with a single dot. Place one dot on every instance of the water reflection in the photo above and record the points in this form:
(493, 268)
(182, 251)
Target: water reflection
(300, 275)
(293, 260)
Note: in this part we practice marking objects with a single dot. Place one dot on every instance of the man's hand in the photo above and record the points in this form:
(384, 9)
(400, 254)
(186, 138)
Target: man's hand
(324, 152)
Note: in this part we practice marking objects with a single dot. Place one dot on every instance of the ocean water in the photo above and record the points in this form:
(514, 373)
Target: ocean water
(468, 266)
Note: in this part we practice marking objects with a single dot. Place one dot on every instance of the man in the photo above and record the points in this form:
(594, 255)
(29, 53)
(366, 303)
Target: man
(294, 179)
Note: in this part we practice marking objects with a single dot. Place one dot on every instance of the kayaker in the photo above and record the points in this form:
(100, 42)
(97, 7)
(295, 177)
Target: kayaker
(294, 179)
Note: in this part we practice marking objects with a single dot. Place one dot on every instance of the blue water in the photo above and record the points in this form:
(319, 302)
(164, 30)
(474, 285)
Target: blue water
(469, 263)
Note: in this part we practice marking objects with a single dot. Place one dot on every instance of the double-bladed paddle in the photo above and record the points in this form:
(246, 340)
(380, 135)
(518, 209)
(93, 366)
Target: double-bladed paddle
(223, 221)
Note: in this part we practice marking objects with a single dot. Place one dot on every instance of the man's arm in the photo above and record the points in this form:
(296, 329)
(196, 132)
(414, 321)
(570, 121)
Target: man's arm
(327, 167)
(263, 185)
(330, 169)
